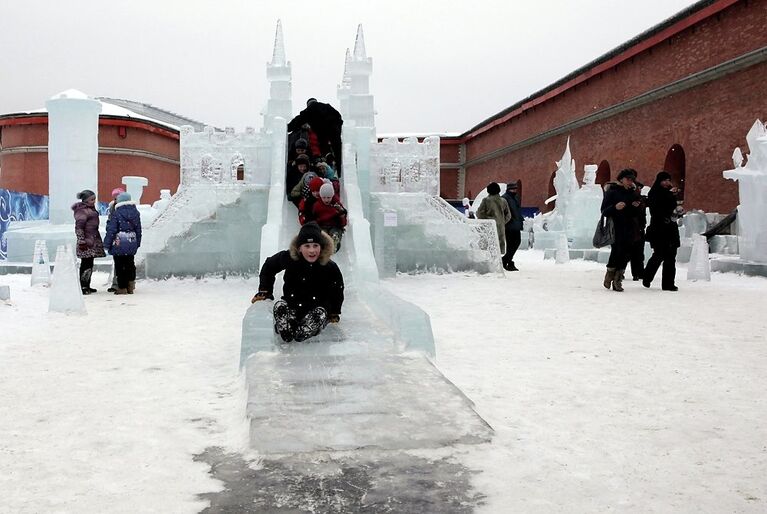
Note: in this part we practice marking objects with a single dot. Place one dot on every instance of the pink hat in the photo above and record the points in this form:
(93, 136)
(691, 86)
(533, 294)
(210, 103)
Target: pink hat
(116, 191)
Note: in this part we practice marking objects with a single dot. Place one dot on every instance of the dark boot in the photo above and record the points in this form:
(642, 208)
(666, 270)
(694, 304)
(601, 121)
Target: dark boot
(85, 281)
(618, 280)
(284, 321)
(131, 286)
(512, 267)
(311, 324)
(609, 276)
(121, 291)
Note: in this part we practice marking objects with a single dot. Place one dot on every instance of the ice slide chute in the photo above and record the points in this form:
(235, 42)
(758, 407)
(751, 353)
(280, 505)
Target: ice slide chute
(367, 382)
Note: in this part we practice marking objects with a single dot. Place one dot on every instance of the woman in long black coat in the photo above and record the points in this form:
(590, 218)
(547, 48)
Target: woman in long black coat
(663, 232)
(622, 205)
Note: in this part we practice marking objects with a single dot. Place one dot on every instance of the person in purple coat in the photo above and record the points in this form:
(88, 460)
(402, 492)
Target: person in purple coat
(122, 241)
(89, 244)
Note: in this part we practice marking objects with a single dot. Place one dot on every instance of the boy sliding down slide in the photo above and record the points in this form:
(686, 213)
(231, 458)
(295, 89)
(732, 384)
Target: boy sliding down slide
(313, 287)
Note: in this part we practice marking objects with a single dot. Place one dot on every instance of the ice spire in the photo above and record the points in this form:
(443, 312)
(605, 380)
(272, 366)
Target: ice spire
(346, 79)
(278, 56)
(359, 45)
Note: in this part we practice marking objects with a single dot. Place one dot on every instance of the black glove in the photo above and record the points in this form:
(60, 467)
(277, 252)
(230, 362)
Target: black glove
(334, 318)
(262, 295)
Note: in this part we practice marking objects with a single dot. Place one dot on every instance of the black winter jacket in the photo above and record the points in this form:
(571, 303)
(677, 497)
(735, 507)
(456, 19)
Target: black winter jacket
(663, 231)
(627, 221)
(516, 211)
(306, 285)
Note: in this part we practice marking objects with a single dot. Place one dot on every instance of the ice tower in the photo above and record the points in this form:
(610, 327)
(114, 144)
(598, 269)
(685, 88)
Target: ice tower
(278, 73)
(73, 150)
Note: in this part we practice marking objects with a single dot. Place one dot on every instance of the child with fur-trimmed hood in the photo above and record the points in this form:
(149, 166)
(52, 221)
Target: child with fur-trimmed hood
(313, 287)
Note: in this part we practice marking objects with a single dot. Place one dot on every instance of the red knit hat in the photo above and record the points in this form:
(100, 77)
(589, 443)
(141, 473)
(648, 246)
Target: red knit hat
(315, 184)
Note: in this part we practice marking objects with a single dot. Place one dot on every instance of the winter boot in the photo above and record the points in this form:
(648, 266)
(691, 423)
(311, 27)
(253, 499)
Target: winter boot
(609, 276)
(284, 321)
(131, 286)
(120, 290)
(85, 281)
(618, 280)
(511, 266)
(312, 324)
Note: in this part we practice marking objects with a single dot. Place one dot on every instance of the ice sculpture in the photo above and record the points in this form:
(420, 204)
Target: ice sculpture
(5, 293)
(279, 75)
(752, 192)
(41, 270)
(699, 267)
(565, 183)
(562, 255)
(73, 127)
(584, 209)
(410, 166)
(66, 295)
(134, 186)
(162, 204)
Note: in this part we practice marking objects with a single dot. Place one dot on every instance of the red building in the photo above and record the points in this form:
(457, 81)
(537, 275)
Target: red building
(134, 139)
(680, 96)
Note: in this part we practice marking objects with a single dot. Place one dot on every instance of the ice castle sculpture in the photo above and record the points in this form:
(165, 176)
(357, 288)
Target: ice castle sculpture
(548, 227)
(752, 192)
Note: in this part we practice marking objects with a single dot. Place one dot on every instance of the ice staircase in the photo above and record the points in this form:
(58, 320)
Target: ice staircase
(432, 235)
(207, 229)
(367, 383)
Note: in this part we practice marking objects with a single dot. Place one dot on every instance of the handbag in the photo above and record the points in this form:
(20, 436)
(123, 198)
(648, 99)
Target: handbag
(604, 235)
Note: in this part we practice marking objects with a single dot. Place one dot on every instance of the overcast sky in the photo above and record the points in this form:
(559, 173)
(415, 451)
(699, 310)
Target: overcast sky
(438, 66)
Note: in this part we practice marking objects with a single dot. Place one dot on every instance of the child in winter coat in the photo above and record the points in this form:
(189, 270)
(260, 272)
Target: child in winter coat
(330, 214)
(305, 213)
(313, 287)
(89, 244)
(122, 241)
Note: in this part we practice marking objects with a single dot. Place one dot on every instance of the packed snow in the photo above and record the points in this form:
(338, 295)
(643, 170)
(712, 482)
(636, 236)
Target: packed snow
(642, 401)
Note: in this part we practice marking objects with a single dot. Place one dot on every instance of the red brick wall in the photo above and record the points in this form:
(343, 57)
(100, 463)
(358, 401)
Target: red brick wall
(28, 172)
(448, 153)
(708, 121)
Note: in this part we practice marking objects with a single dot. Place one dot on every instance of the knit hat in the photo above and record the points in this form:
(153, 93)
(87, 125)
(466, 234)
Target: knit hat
(302, 143)
(308, 177)
(310, 233)
(315, 184)
(123, 197)
(302, 159)
(493, 188)
(663, 175)
(628, 172)
(85, 194)
(116, 191)
(327, 191)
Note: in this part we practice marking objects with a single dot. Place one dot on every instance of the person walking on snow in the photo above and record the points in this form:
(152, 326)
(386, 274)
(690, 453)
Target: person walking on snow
(89, 243)
(622, 206)
(313, 287)
(493, 207)
(663, 232)
(513, 228)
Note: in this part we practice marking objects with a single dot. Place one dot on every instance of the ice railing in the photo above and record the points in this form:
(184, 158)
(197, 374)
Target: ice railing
(441, 219)
(216, 168)
(407, 166)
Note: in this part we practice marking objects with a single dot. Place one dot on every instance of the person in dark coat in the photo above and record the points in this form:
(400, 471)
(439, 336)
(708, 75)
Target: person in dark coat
(313, 287)
(493, 207)
(326, 122)
(89, 244)
(663, 232)
(122, 241)
(622, 206)
(513, 228)
(110, 211)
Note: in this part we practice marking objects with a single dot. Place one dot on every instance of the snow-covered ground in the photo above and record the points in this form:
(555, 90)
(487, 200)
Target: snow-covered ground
(642, 401)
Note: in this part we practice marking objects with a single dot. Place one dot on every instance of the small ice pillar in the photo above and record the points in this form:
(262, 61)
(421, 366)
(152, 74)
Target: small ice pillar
(134, 186)
(752, 193)
(73, 151)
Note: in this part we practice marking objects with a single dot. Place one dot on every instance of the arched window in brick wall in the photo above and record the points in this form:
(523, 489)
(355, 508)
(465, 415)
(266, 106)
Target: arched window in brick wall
(603, 173)
(675, 165)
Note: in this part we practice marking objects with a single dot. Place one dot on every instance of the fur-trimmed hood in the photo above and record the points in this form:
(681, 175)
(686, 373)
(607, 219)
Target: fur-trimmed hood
(327, 245)
(127, 202)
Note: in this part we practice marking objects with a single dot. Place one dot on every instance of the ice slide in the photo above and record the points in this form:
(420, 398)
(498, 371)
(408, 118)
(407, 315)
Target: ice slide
(367, 382)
